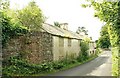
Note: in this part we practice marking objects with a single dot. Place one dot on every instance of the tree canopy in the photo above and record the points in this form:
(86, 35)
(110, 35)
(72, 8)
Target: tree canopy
(82, 29)
(18, 22)
(31, 16)
(104, 40)
(108, 12)
(9, 28)
(4, 4)
(57, 24)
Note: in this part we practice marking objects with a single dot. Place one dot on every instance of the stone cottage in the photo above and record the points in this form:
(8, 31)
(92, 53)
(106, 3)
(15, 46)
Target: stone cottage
(52, 43)
(65, 42)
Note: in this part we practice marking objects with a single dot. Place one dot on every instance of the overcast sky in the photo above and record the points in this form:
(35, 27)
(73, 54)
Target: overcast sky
(66, 11)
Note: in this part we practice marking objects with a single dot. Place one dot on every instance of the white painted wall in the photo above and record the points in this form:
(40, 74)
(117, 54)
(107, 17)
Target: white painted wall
(59, 52)
(91, 48)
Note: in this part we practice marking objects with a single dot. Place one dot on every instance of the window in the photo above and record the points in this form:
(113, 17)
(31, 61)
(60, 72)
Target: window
(69, 42)
(61, 42)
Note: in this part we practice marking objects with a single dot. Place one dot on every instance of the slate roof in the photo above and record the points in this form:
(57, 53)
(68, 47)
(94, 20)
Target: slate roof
(54, 30)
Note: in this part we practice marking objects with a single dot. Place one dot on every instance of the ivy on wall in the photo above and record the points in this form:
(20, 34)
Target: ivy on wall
(10, 29)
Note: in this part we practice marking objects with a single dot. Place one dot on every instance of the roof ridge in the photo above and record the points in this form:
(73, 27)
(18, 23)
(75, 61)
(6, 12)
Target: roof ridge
(61, 32)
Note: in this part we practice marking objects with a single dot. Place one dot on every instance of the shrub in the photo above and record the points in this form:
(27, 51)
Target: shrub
(115, 61)
(97, 51)
(15, 66)
(58, 65)
(47, 67)
(84, 51)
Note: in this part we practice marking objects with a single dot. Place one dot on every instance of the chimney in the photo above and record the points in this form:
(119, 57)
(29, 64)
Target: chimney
(64, 26)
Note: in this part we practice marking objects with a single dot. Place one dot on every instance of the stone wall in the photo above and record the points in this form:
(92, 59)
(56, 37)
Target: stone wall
(36, 47)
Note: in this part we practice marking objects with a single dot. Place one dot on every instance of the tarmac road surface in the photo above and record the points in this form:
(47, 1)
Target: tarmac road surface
(101, 66)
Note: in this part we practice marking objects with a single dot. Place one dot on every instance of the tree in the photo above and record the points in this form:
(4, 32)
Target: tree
(104, 40)
(57, 24)
(9, 28)
(84, 47)
(109, 12)
(31, 16)
(82, 29)
(4, 4)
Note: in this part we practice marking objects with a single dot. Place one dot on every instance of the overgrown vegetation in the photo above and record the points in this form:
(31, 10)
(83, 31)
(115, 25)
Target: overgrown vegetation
(109, 12)
(82, 30)
(20, 67)
(84, 46)
(19, 22)
(10, 29)
(57, 24)
(31, 16)
(16, 66)
(104, 40)
(115, 61)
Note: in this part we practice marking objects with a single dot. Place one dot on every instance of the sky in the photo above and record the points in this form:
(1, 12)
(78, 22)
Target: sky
(66, 11)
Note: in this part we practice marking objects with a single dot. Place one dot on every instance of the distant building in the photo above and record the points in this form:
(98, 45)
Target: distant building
(92, 47)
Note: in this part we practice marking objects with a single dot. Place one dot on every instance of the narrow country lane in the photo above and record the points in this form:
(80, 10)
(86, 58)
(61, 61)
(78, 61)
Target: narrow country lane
(101, 66)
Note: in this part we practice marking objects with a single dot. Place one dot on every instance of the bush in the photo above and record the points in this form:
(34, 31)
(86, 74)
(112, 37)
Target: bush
(84, 51)
(80, 58)
(15, 66)
(45, 67)
(115, 61)
(97, 51)
(58, 65)
(63, 63)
